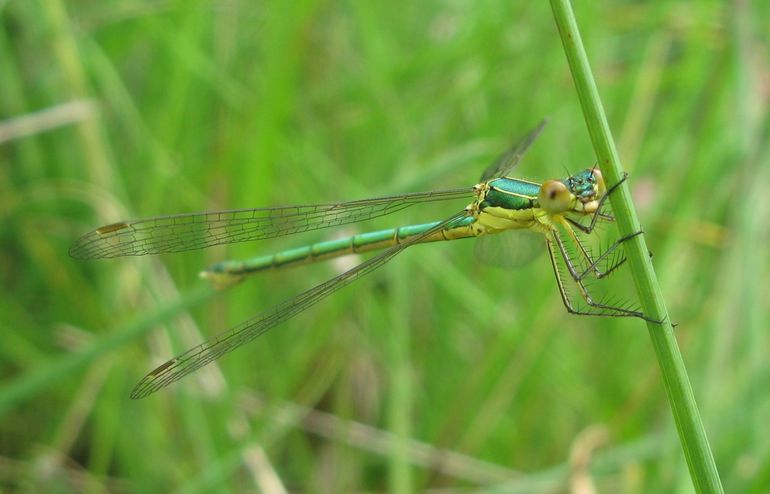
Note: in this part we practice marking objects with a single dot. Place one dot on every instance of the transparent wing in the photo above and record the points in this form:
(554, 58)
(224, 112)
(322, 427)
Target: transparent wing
(509, 249)
(509, 159)
(182, 232)
(207, 352)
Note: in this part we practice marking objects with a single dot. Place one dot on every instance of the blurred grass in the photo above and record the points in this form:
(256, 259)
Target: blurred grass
(201, 105)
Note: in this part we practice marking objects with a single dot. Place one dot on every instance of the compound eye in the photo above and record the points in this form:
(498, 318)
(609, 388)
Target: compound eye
(554, 197)
(601, 188)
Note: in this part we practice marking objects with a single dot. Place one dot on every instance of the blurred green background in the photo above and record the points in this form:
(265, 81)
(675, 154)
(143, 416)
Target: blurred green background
(435, 373)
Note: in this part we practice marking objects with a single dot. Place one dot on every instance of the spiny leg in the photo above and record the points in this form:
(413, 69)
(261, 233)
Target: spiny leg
(599, 309)
(559, 282)
(594, 217)
(593, 264)
(563, 292)
(598, 213)
(609, 250)
(583, 289)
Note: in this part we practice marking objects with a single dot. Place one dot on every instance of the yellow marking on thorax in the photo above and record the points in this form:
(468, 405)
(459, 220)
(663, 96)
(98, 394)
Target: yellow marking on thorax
(545, 222)
(498, 219)
(522, 180)
(511, 193)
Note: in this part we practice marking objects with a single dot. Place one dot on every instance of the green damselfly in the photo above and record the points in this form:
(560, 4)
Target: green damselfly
(501, 204)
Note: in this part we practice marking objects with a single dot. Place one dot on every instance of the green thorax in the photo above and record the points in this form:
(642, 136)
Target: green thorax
(510, 193)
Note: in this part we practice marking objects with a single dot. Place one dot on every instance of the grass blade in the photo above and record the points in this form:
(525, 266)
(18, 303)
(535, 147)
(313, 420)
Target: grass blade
(692, 435)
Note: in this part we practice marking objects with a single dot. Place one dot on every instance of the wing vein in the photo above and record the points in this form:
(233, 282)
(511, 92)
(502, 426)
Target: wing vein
(247, 331)
(183, 232)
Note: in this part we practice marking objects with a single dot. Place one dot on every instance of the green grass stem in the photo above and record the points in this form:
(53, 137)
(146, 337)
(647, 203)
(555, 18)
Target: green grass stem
(700, 459)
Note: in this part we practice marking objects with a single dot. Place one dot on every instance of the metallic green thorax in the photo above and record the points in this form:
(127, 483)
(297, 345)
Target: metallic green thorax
(510, 193)
(504, 204)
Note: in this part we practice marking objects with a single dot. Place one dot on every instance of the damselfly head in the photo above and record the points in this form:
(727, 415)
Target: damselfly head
(587, 185)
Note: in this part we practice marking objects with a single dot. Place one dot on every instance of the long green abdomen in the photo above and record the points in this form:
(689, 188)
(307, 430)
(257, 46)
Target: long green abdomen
(228, 272)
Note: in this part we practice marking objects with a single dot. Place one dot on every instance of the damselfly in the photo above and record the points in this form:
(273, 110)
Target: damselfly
(560, 211)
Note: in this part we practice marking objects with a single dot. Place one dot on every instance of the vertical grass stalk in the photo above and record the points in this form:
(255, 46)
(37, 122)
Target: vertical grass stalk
(692, 435)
